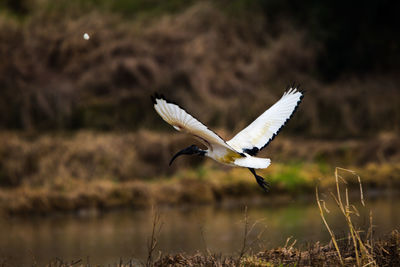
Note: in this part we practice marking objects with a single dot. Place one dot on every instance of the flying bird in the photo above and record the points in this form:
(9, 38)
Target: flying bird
(242, 149)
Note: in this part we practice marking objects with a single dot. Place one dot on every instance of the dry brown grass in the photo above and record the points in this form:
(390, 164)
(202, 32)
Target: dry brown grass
(68, 172)
(205, 185)
(386, 253)
(56, 79)
(54, 159)
(362, 248)
(53, 79)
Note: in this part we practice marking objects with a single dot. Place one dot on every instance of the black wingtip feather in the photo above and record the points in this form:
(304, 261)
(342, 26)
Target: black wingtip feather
(153, 99)
(161, 96)
(155, 96)
(294, 85)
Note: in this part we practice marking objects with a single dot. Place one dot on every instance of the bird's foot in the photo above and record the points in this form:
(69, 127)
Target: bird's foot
(261, 182)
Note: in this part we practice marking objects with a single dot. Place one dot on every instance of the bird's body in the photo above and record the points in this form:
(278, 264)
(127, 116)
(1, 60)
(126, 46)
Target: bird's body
(234, 158)
(241, 149)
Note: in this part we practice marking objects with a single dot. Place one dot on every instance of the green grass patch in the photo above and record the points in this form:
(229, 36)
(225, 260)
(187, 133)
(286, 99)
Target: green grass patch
(291, 177)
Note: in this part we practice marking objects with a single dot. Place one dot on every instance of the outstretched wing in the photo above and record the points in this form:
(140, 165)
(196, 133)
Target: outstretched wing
(261, 131)
(182, 121)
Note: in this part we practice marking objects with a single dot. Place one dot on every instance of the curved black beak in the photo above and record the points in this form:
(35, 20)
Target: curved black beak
(187, 151)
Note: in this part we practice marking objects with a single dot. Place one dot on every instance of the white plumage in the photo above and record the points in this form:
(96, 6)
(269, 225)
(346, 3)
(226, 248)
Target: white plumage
(261, 131)
(241, 149)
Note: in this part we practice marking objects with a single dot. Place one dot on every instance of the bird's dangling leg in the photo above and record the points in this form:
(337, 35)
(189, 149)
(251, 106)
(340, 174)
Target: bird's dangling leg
(261, 182)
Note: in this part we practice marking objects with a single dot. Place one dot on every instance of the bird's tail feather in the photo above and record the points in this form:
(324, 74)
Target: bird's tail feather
(253, 162)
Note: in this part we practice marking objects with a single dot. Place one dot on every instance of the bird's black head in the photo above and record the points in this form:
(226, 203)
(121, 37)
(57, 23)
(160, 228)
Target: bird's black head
(191, 150)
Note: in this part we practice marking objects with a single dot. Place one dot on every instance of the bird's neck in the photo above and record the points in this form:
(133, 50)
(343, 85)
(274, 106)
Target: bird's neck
(215, 153)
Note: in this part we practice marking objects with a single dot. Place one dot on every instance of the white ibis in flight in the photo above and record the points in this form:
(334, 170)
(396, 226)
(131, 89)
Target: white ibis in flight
(243, 147)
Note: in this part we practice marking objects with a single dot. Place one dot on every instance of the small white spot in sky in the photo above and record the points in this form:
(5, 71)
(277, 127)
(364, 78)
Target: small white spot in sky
(86, 36)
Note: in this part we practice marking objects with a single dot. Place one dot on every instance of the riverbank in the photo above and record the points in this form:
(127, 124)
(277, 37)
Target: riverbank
(44, 159)
(201, 185)
(92, 170)
(386, 253)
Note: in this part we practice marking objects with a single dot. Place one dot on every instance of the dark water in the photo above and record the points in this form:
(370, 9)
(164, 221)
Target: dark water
(109, 237)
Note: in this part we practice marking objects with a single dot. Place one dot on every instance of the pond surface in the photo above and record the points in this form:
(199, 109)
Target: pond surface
(122, 235)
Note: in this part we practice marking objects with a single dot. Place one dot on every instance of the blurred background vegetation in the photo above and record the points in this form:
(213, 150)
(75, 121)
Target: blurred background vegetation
(75, 109)
(224, 55)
